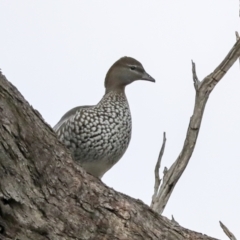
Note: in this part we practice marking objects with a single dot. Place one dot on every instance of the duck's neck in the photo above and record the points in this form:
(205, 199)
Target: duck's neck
(116, 90)
(112, 97)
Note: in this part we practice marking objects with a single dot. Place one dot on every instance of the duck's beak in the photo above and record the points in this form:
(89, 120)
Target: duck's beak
(147, 77)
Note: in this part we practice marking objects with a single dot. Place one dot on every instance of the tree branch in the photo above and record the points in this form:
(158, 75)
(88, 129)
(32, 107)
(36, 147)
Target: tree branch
(237, 38)
(196, 82)
(45, 195)
(227, 232)
(157, 167)
(203, 90)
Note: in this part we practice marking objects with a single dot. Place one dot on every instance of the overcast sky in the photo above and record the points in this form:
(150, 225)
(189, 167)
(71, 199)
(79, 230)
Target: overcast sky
(58, 52)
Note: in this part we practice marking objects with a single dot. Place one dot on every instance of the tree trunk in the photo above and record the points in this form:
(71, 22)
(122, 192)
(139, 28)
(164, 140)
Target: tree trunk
(45, 195)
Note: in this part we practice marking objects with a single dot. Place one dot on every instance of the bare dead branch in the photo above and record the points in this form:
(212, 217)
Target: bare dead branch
(165, 170)
(174, 221)
(237, 38)
(195, 78)
(203, 90)
(227, 232)
(157, 167)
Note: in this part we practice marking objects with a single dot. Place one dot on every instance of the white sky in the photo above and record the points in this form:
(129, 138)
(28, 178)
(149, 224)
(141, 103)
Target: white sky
(58, 52)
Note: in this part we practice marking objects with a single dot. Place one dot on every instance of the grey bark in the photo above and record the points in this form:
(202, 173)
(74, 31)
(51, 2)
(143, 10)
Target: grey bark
(45, 195)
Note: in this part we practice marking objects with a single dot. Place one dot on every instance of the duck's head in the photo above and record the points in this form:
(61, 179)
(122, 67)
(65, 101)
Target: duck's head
(123, 72)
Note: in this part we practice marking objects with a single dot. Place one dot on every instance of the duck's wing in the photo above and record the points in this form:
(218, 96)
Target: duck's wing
(67, 116)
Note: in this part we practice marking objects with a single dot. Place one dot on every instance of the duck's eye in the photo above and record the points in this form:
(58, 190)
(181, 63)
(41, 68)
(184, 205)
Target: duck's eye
(132, 67)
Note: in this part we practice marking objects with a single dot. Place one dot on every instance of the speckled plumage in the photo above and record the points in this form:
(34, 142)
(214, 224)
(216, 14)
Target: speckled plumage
(99, 135)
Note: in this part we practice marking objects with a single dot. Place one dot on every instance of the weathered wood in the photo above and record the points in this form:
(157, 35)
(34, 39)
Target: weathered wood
(203, 89)
(45, 195)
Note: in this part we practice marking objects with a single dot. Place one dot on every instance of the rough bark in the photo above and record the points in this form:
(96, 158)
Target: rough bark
(45, 195)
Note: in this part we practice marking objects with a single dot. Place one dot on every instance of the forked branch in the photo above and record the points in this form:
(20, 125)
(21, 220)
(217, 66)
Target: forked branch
(203, 89)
